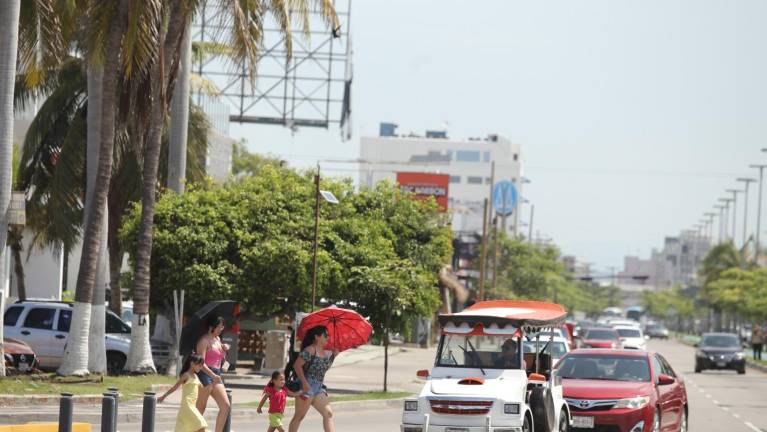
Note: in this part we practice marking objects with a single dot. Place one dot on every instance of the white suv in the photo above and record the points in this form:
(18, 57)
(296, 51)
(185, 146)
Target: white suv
(44, 326)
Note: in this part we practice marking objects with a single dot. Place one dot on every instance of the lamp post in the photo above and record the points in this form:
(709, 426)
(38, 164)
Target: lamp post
(734, 193)
(329, 197)
(761, 168)
(746, 182)
(710, 216)
(726, 224)
(721, 221)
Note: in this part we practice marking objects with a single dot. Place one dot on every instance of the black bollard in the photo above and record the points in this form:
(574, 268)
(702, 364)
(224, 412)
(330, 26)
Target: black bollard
(228, 424)
(116, 394)
(108, 413)
(65, 412)
(147, 416)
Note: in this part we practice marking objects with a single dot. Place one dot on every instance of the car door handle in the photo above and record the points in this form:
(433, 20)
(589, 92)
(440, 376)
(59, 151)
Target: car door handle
(25, 332)
(60, 336)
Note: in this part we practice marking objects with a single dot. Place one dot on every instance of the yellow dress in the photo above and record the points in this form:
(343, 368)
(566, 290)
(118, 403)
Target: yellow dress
(189, 419)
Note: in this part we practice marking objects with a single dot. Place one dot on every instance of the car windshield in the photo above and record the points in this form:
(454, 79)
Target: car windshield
(556, 349)
(604, 367)
(629, 333)
(486, 352)
(600, 334)
(720, 341)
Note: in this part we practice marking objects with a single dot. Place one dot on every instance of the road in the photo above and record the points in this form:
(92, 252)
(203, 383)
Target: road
(718, 401)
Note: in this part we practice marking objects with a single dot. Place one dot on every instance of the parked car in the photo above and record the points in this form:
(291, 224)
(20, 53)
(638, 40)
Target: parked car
(631, 337)
(719, 351)
(44, 326)
(656, 331)
(19, 356)
(622, 391)
(600, 337)
(479, 381)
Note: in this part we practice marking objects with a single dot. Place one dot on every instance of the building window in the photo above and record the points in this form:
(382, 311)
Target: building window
(467, 155)
(486, 156)
(516, 156)
(455, 179)
(488, 180)
(474, 180)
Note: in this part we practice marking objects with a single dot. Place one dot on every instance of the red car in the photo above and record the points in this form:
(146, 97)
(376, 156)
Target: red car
(600, 337)
(622, 391)
(19, 355)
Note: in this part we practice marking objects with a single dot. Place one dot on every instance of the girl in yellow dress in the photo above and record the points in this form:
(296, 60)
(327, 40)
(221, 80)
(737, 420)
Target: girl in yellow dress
(189, 418)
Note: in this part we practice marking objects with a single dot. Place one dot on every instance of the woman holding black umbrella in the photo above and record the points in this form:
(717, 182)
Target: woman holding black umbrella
(213, 351)
(310, 367)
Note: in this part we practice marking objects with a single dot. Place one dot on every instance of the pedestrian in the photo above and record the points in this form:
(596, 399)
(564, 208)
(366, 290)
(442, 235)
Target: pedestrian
(757, 341)
(189, 419)
(213, 351)
(277, 394)
(311, 365)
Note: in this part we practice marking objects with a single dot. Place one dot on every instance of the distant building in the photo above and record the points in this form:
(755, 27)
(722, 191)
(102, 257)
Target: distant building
(467, 161)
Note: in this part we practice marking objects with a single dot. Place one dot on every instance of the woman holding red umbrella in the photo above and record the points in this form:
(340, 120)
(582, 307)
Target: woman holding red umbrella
(310, 367)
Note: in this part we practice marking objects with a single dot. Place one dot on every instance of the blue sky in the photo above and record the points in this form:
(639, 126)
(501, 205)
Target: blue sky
(633, 116)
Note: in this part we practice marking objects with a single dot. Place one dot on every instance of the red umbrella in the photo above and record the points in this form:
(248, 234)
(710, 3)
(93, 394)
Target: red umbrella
(346, 328)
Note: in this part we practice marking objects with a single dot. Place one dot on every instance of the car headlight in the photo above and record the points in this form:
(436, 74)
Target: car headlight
(739, 356)
(411, 405)
(511, 408)
(636, 402)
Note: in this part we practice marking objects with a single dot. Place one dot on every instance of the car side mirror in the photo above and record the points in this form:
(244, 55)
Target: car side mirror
(664, 379)
(423, 373)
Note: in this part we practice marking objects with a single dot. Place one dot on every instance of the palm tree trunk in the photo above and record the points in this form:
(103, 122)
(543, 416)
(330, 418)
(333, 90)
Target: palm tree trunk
(9, 29)
(76, 352)
(179, 120)
(16, 238)
(97, 358)
(115, 253)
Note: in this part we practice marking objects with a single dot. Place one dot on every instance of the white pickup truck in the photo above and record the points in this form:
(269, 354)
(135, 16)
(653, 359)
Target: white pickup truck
(482, 380)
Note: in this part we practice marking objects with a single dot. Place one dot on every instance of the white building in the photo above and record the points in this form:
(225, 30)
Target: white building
(467, 161)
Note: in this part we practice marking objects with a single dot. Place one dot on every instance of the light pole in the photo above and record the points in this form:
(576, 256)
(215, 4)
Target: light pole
(329, 197)
(726, 224)
(761, 168)
(734, 193)
(711, 217)
(746, 182)
(721, 221)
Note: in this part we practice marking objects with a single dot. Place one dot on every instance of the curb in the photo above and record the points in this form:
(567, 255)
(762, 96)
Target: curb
(53, 399)
(753, 365)
(169, 415)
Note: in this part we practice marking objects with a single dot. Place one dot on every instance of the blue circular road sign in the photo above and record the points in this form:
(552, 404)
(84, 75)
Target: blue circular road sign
(505, 197)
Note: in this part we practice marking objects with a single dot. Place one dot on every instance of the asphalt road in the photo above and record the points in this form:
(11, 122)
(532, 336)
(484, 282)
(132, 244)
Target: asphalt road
(718, 401)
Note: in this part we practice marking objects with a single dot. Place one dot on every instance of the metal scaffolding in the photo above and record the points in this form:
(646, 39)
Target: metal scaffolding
(309, 89)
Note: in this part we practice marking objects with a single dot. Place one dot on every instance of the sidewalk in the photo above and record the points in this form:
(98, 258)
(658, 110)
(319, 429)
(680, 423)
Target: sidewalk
(355, 371)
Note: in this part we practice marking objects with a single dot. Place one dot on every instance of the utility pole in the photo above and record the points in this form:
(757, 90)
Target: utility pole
(495, 252)
(747, 181)
(316, 235)
(483, 254)
(761, 168)
(530, 232)
(726, 224)
(734, 193)
(721, 221)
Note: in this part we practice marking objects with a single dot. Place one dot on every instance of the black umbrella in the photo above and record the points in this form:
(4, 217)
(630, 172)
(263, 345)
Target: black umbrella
(198, 324)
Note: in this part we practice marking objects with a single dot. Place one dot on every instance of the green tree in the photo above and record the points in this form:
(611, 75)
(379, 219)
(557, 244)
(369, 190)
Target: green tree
(245, 162)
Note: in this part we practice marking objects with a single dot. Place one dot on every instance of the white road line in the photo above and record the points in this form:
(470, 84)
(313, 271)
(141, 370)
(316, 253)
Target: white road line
(737, 416)
(708, 396)
(716, 402)
(725, 408)
(752, 427)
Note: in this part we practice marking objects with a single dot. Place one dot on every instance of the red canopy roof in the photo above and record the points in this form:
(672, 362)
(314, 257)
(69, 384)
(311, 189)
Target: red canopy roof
(519, 313)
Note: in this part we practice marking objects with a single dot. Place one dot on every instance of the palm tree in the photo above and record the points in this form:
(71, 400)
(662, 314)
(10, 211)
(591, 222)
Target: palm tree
(246, 19)
(719, 259)
(9, 24)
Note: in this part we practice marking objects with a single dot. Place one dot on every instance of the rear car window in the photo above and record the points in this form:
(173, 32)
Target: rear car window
(601, 335)
(40, 318)
(631, 333)
(65, 319)
(12, 315)
(115, 325)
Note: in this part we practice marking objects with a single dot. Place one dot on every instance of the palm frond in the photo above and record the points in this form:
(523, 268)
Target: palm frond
(201, 84)
(41, 42)
(99, 15)
(247, 32)
(281, 13)
(202, 50)
(141, 41)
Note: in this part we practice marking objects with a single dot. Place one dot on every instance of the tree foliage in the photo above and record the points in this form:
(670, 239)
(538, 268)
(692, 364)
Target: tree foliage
(251, 240)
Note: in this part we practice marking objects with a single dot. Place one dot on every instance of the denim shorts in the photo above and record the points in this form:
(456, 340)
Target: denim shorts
(206, 380)
(316, 388)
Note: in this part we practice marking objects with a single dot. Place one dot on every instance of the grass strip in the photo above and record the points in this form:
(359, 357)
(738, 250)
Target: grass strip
(130, 387)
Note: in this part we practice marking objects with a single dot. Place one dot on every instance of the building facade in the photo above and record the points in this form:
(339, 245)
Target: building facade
(466, 161)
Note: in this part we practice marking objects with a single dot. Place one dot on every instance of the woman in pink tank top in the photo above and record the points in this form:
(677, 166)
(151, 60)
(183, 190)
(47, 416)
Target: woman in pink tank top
(213, 351)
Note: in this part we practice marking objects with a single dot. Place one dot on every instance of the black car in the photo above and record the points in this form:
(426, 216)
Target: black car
(656, 331)
(719, 351)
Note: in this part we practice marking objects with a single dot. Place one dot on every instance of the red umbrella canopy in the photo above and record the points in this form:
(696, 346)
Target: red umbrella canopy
(346, 328)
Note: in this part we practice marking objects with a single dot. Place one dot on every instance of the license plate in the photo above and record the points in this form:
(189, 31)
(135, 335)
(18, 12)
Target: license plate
(721, 364)
(583, 422)
(23, 367)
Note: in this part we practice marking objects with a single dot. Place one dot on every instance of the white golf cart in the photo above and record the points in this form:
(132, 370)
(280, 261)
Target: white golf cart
(482, 381)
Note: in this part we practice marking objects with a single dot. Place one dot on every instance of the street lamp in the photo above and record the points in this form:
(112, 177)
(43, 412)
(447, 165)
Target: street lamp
(711, 217)
(747, 181)
(734, 193)
(761, 168)
(726, 224)
(330, 198)
(721, 220)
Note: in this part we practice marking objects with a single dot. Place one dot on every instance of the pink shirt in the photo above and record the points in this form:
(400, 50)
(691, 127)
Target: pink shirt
(215, 357)
(277, 399)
